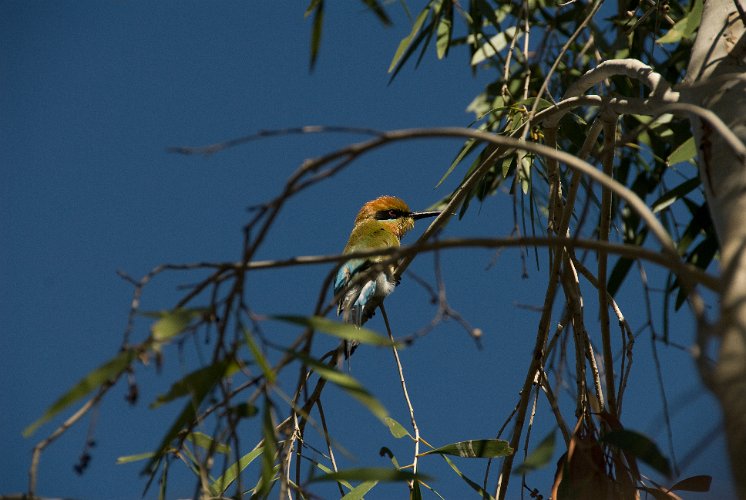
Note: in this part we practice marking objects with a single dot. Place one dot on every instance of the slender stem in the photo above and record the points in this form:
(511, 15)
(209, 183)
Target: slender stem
(58, 432)
(406, 395)
(603, 235)
(322, 417)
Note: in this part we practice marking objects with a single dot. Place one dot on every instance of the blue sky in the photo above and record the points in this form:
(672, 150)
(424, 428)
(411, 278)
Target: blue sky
(92, 94)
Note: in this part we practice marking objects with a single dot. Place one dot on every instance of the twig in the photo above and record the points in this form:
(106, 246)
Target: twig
(71, 420)
(603, 235)
(406, 395)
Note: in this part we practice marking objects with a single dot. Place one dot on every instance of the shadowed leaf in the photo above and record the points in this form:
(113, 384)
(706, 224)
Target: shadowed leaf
(679, 191)
(484, 494)
(342, 330)
(641, 447)
(538, 458)
(261, 360)
(694, 483)
(206, 442)
(379, 11)
(317, 9)
(686, 26)
(474, 448)
(198, 388)
(348, 384)
(370, 474)
(197, 381)
(95, 379)
(359, 491)
(222, 483)
(406, 46)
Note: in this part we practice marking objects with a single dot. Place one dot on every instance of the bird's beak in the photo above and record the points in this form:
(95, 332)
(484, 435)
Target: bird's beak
(423, 215)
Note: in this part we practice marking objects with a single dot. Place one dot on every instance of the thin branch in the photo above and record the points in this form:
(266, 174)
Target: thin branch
(263, 134)
(406, 396)
(603, 235)
(69, 422)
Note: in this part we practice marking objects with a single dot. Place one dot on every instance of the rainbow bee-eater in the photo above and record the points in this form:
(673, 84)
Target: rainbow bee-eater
(380, 224)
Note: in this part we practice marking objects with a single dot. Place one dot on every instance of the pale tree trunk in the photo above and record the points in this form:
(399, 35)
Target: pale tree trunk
(717, 78)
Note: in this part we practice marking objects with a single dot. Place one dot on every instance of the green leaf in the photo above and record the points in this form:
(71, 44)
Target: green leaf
(467, 148)
(348, 384)
(396, 429)
(134, 458)
(679, 191)
(268, 455)
(359, 491)
(538, 458)
(222, 483)
(404, 45)
(261, 360)
(416, 493)
(686, 26)
(685, 151)
(105, 373)
(694, 483)
(172, 323)
(197, 388)
(370, 474)
(316, 30)
(342, 330)
(197, 382)
(244, 410)
(474, 448)
(327, 470)
(379, 11)
(206, 442)
(484, 494)
(494, 45)
(641, 447)
(525, 171)
(445, 30)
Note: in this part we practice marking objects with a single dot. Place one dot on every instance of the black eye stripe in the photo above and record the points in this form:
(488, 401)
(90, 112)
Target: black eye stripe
(390, 214)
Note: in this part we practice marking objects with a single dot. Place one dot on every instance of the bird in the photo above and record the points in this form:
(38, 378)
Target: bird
(379, 224)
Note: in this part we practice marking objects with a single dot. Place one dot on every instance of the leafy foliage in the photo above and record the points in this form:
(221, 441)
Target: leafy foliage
(535, 51)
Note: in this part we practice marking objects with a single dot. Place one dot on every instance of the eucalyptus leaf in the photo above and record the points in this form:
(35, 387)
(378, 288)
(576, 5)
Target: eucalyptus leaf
(494, 45)
(473, 484)
(359, 491)
(641, 447)
(396, 429)
(370, 474)
(348, 384)
(685, 151)
(198, 388)
(197, 381)
(474, 448)
(344, 331)
(695, 483)
(540, 457)
(685, 27)
(206, 442)
(406, 44)
(107, 372)
(222, 483)
(173, 322)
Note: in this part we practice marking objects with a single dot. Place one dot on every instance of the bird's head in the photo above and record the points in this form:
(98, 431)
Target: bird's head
(393, 212)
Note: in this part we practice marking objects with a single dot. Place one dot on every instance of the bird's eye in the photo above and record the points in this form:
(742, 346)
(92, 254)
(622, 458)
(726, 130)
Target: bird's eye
(393, 214)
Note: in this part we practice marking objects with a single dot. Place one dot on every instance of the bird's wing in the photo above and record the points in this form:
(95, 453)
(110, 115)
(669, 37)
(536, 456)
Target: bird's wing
(347, 271)
(367, 235)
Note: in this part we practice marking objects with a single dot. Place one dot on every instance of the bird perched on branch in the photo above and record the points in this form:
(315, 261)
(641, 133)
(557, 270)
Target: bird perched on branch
(359, 289)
